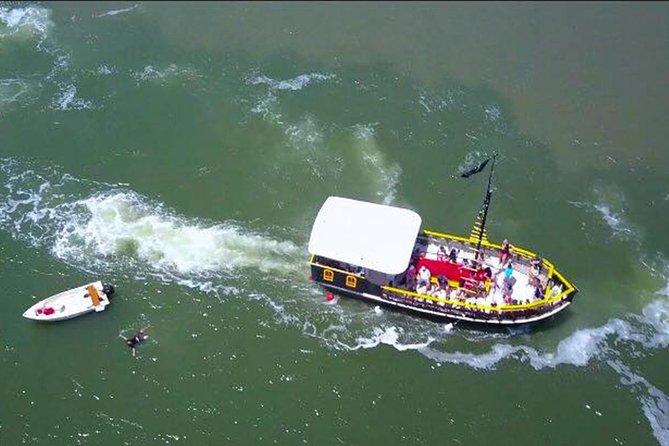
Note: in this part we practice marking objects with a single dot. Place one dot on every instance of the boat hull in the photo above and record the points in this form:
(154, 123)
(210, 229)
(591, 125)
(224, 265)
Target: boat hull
(492, 319)
(68, 304)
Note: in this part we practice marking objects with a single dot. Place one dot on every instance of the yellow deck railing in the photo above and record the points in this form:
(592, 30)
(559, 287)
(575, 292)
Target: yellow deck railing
(552, 272)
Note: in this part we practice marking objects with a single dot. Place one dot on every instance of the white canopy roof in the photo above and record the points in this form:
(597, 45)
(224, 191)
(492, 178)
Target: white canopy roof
(370, 235)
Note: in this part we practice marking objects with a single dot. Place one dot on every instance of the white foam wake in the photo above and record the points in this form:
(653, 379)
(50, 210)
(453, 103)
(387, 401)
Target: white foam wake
(649, 330)
(294, 84)
(614, 219)
(432, 102)
(123, 223)
(307, 137)
(383, 175)
(95, 225)
(163, 76)
(14, 91)
(25, 22)
(67, 99)
(32, 23)
(611, 204)
(391, 336)
(654, 402)
(118, 11)
(578, 349)
(267, 104)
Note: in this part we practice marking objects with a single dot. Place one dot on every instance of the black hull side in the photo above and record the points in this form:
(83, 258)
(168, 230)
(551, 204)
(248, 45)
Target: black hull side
(443, 315)
(350, 284)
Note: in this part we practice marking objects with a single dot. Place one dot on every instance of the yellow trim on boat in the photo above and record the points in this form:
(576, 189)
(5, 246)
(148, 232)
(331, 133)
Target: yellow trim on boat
(551, 272)
(502, 308)
(337, 269)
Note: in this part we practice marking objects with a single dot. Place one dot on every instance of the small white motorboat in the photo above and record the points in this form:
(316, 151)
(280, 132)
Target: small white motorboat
(72, 303)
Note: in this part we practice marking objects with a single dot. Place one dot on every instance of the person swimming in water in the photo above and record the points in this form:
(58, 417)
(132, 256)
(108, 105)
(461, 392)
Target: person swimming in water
(136, 339)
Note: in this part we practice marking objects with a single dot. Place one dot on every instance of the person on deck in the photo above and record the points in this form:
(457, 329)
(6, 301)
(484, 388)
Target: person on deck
(534, 271)
(508, 283)
(424, 276)
(409, 276)
(480, 257)
(453, 255)
(504, 252)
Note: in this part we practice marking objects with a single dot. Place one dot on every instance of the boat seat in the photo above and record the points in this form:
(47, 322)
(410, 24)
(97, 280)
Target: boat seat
(93, 292)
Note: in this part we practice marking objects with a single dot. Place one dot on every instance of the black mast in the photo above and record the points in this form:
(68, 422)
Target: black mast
(486, 204)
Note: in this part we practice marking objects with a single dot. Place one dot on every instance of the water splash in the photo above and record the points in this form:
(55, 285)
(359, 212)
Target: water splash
(384, 176)
(124, 223)
(16, 92)
(76, 218)
(611, 204)
(164, 76)
(118, 11)
(654, 402)
(68, 99)
(294, 84)
(25, 23)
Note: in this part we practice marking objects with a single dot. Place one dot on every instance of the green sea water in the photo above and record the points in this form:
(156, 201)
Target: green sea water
(181, 152)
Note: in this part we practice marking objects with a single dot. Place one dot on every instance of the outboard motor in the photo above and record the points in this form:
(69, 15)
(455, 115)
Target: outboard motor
(108, 289)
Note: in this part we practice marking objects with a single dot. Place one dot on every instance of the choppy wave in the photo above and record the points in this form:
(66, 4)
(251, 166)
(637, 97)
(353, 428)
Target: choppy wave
(386, 336)
(294, 84)
(12, 89)
(305, 134)
(384, 176)
(609, 203)
(118, 11)
(307, 137)
(649, 330)
(15, 91)
(654, 402)
(432, 102)
(67, 99)
(34, 23)
(615, 220)
(25, 22)
(105, 70)
(163, 76)
(639, 333)
(493, 113)
(267, 105)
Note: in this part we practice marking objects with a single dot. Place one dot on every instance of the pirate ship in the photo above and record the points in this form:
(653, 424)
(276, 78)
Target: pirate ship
(379, 253)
